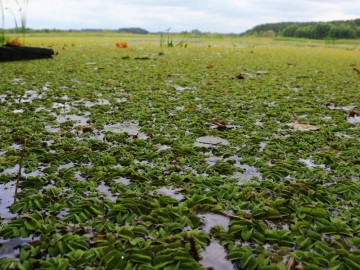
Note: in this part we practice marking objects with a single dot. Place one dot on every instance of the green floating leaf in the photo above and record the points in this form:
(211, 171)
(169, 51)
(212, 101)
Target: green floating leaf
(163, 260)
(114, 260)
(248, 261)
(258, 237)
(140, 257)
(246, 233)
(313, 212)
(55, 263)
(352, 262)
(235, 255)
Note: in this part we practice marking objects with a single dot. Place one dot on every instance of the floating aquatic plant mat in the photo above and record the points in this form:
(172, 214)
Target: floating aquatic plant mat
(168, 163)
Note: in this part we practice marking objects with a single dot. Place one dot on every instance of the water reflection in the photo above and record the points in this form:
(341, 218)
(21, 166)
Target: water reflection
(214, 257)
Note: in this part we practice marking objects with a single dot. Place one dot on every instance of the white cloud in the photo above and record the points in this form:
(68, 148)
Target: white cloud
(158, 15)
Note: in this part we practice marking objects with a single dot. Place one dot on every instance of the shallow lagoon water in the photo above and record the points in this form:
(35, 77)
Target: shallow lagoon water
(176, 118)
(105, 190)
(30, 96)
(211, 220)
(172, 192)
(90, 104)
(250, 173)
(18, 111)
(66, 166)
(81, 120)
(214, 256)
(210, 141)
(7, 192)
(11, 248)
(310, 163)
(15, 170)
(354, 120)
(130, 127)
(123, 181)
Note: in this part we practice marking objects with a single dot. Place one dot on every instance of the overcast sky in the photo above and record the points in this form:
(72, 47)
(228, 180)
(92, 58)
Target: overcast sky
(157, 15)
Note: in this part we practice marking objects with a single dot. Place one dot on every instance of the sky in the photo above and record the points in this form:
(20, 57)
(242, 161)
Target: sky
(222, 16)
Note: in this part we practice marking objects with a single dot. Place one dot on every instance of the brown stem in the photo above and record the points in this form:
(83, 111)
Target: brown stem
(290, 263)
(193, 249)
(236, 217)
(22, 154)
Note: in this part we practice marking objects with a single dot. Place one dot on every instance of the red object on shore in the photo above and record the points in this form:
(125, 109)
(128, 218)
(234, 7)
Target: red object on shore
(121, 44)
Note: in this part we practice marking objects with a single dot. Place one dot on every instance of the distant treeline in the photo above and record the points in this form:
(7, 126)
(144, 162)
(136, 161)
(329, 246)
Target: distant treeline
(129, 30)
(315, 30)
(132, 30)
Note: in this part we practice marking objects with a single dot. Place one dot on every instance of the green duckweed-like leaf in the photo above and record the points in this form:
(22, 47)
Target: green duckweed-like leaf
(114, 259)
(55, 263)
(246, 233)
(162, 261)
(77, 244)
(5, 263)
(140, 230)
(75, 255)
(283, 237)
(304, 243)
(336, 265)
(235, 255)
(125, 232)
(31, 224)
(201, 202)
(258, 237)
(307, 181)
(298, 254)
(140, 257)
(137, 241)
(24, 254)
(248, 261)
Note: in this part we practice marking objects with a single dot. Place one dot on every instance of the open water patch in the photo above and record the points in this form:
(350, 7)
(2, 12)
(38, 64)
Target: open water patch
(15, 146)
(81, 120)
(180, 88)
(7, 192)
(90, 104)
(162, 147)
(30, 95)
(211, 220)
(250, 172)
(210, 141)
(340, 107)
(52, 129)
(353, 119)
(131, 128)
(15, 170)
(18, 111)
(214, 257)
(63, 106)
(104, 189)
(11, 248)
(66, 166)
(122, 180)
(310, 163)
(172, 192)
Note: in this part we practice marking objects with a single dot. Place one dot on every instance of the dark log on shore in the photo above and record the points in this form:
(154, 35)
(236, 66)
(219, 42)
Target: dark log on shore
(18, 53)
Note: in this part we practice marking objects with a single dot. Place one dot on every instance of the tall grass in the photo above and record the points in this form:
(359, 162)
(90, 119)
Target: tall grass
(22, 10)
(2, 34)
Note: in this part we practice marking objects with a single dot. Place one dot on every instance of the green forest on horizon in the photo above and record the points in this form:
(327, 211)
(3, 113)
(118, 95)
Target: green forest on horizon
(348, 29)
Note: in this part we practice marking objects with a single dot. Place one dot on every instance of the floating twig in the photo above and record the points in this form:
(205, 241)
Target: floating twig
(290, 263)
(193, 249)
(236, 217)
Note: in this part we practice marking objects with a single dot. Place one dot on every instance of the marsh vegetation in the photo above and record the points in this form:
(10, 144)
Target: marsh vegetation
(151, 157)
